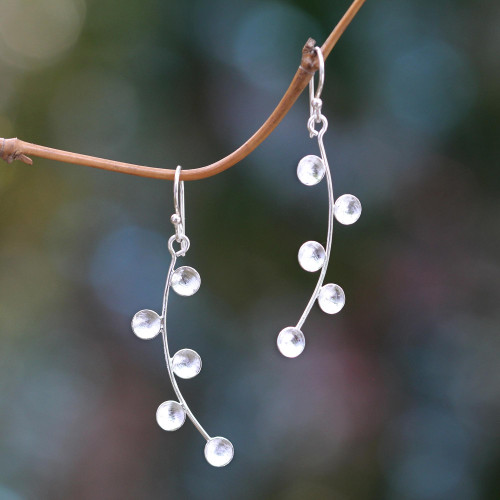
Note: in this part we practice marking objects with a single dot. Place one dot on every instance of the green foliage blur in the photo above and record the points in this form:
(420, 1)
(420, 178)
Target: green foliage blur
(397, 397)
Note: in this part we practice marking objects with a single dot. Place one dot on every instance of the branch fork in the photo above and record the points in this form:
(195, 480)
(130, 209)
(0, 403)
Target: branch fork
(11, 151)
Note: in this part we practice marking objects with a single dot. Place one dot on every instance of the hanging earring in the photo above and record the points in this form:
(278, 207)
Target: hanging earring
(312, 255)
(185, 363)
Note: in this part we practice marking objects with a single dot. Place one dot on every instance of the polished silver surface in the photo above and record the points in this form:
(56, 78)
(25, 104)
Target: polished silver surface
(186, 363)
(168, 359)
(331, 205)
(179, 221)
(317, 117)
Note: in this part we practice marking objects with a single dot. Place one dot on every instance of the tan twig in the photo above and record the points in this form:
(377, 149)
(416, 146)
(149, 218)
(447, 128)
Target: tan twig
(15, 149)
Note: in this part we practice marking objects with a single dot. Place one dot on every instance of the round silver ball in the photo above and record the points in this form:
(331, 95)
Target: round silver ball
(175, 219)
(316, 103)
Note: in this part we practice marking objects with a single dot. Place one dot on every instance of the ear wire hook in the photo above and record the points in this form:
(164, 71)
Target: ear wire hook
(178, 219)
(315, 102)
(321, 78)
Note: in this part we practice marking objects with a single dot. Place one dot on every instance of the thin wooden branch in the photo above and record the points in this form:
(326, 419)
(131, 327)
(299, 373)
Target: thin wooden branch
(15, 149)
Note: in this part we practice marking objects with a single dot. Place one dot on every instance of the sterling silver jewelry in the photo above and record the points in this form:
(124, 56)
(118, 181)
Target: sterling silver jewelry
(312, 255)
(185, 363)
(186, 281)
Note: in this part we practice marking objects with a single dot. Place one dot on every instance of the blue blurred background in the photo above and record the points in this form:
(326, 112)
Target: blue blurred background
(397, 397)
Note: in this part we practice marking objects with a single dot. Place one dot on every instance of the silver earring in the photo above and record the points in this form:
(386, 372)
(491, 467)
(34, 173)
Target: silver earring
(312, 255)
(185, 363)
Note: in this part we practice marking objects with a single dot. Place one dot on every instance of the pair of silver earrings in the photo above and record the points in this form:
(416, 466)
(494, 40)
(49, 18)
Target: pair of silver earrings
(185, 281)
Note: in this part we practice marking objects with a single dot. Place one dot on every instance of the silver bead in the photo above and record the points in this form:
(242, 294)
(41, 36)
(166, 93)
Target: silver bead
(170, 415)
(175, 219)
(186, 281)
(331, 298)
(146, 324)
(219, 451)
(311, 256)
(186, 363)
(291, 342)
(310, 170)
(347, 209)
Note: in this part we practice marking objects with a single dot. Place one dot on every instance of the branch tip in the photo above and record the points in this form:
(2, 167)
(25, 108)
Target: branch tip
(24, 159)
(309, 62)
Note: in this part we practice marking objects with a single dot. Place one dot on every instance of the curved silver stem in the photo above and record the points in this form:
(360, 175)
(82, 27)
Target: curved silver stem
(168, 359)
(331, 209)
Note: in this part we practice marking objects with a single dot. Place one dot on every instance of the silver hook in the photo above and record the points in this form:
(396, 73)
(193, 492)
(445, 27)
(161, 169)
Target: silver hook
(315, 102)
(179, 217)
(321, 80)
(179, 197)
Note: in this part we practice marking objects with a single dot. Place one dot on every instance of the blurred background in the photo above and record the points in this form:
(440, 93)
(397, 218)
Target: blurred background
(397, 397)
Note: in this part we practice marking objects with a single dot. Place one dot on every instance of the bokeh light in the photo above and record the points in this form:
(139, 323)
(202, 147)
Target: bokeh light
(33, 34)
